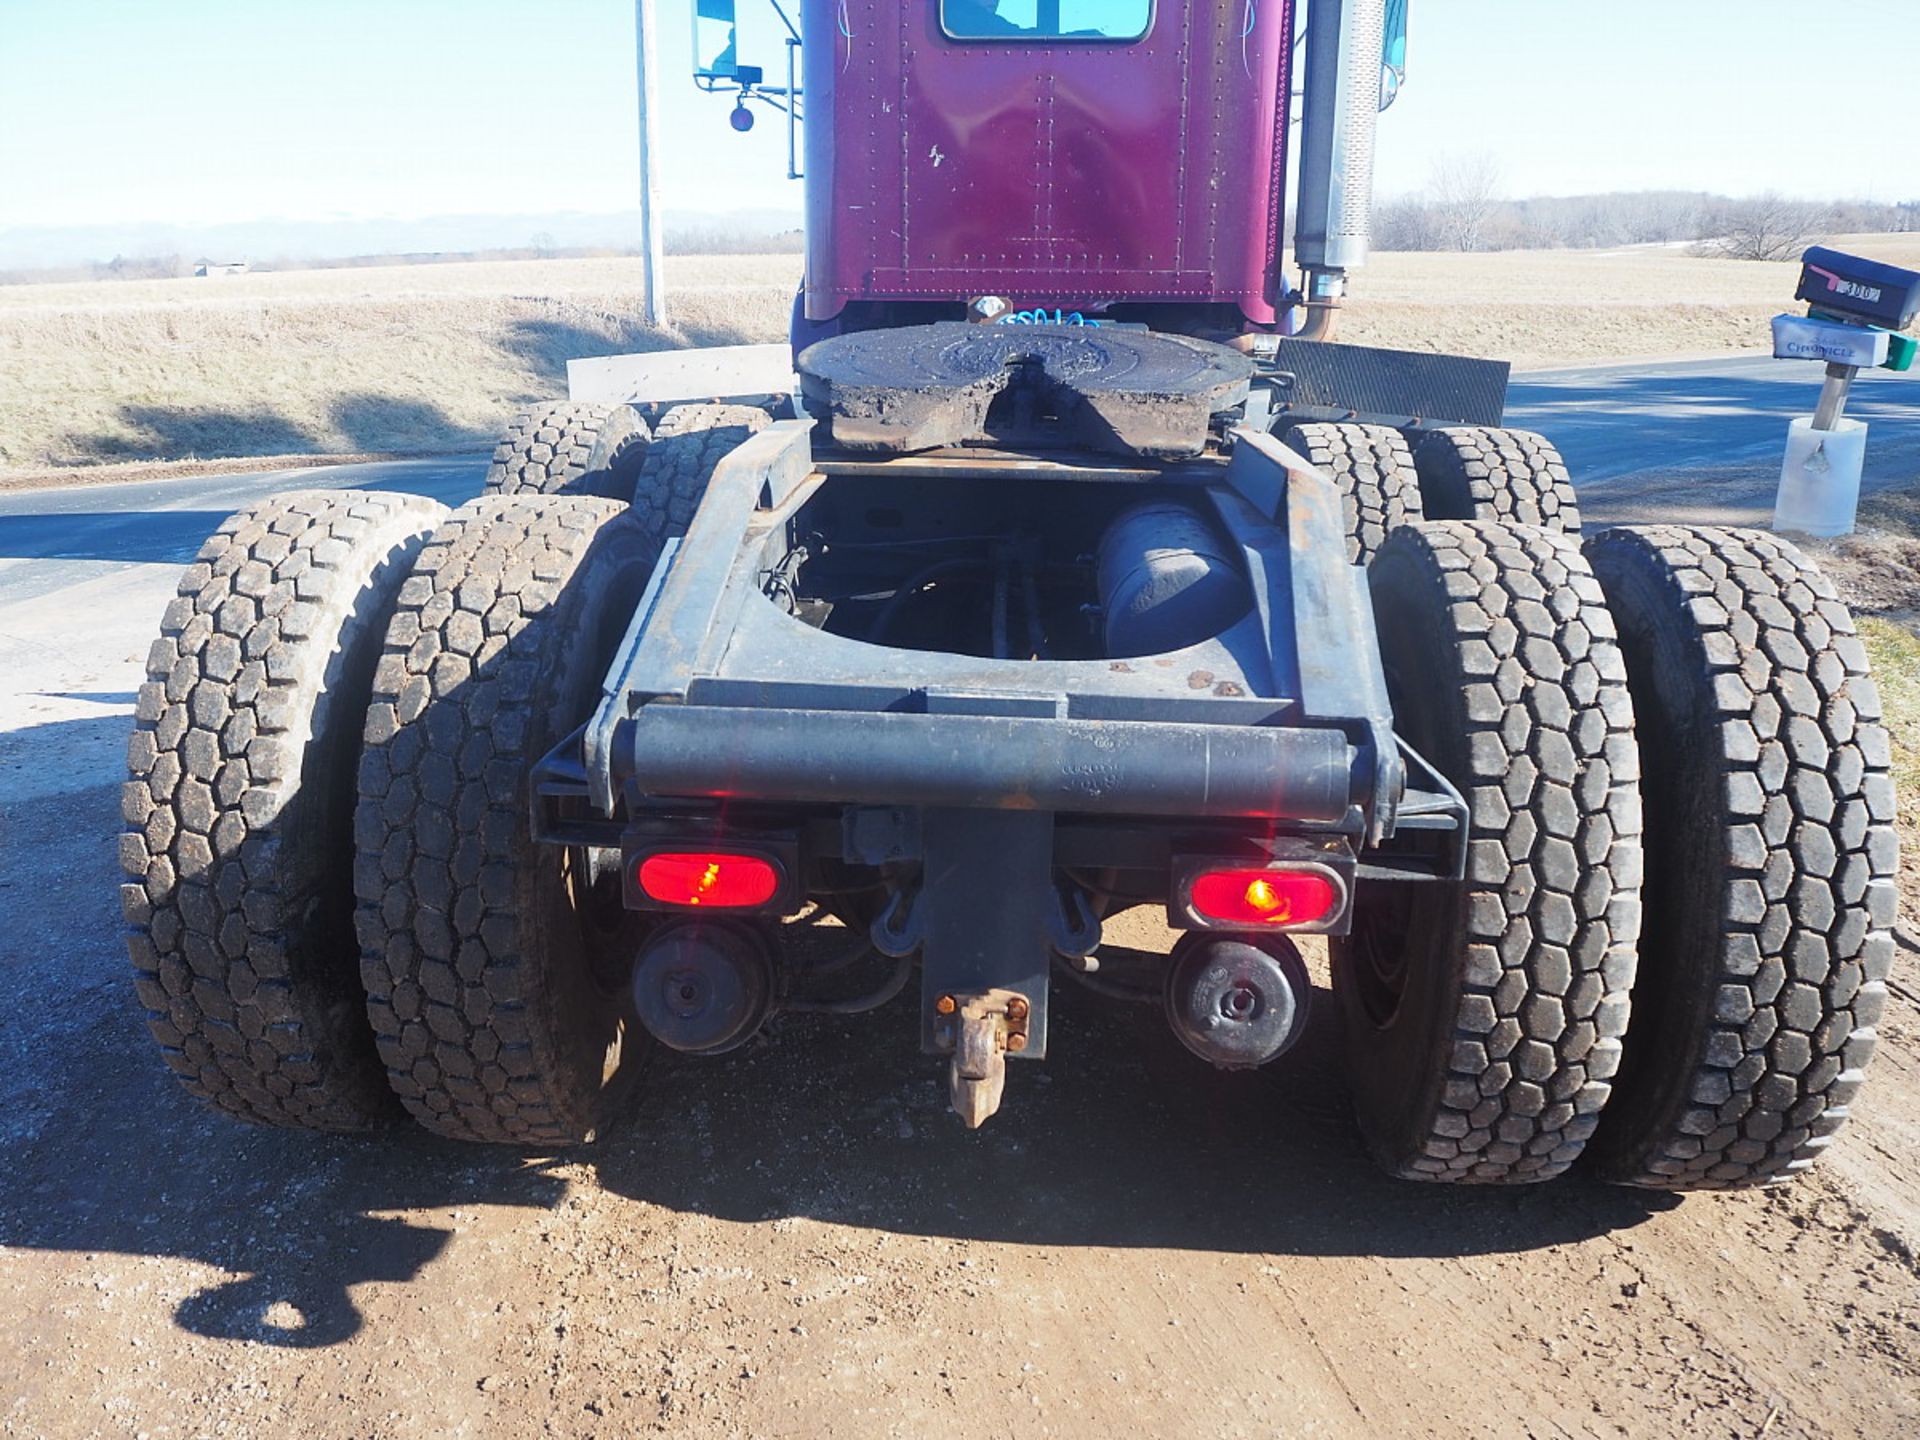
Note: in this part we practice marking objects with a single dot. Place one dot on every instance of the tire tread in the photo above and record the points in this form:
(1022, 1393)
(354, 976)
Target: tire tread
(459, 975)
(567, 448)
(1529, 1030)
(237, 906)
(688, 443)
(1483, 472)
(1791, 860)
(1379, 486)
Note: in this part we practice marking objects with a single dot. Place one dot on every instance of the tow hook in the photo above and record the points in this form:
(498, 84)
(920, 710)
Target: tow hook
(979, 1030)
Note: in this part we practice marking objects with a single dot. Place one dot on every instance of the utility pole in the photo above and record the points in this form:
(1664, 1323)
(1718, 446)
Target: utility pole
(650, 248)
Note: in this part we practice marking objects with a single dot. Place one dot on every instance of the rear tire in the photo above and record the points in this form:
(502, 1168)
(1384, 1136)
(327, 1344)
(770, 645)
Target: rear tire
(688, 443)
(1484, 1018)
(240, 807)
(1379, 487)
(1772, 854)
(497, 969)
(1479, 472)
(563, 448)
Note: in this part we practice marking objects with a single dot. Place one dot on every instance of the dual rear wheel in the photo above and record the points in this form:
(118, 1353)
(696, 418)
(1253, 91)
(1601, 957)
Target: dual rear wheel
(343, 705)
(332, 894)
(1703, 1018)
(1671, 946)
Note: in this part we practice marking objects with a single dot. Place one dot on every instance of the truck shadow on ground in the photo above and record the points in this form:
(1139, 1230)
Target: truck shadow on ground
(1119, 1139)
(104, 1155)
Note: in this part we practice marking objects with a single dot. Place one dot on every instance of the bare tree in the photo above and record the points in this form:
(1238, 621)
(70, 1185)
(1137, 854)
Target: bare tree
(1405, 223)
(1466, 189)
(1766, 227)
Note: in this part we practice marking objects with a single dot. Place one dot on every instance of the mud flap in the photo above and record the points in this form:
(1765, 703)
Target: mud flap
(986, 917)
(1324, 381)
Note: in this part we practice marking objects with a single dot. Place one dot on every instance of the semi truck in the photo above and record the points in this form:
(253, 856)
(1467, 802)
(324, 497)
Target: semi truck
(1065, 562)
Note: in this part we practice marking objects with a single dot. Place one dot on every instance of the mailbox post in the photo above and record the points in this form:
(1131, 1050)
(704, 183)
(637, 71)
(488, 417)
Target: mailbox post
(1855, 309)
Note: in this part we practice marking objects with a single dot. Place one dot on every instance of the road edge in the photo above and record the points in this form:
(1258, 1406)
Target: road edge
(62, 477)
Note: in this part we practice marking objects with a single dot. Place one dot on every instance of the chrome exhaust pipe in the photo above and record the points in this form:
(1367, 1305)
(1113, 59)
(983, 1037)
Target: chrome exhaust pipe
(1333, 216)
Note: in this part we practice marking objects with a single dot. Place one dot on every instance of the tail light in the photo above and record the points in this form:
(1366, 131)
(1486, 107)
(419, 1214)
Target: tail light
(1259, 897)
(713, 879)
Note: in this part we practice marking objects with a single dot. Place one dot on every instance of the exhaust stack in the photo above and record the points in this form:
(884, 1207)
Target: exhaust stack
(1334, 215)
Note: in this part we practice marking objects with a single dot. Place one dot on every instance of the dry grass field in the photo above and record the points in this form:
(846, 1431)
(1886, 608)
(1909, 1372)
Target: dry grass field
(1542, 309)
(435, 357)
(401, 358)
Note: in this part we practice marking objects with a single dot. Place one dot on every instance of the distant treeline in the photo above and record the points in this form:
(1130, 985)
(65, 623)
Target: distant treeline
(720, 241)
(1462, 210)
(717, 240)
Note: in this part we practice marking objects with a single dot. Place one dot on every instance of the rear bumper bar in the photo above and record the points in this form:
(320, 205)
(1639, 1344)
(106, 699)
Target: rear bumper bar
(992, 762)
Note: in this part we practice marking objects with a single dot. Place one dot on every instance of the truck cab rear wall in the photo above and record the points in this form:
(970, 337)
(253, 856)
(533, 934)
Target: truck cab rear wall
(922, 151)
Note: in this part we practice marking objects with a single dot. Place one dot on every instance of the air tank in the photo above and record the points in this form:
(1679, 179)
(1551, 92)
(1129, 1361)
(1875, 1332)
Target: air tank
(1167, 579)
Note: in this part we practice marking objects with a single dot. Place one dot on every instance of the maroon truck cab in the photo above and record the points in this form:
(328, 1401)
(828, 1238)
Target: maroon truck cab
(952, 155)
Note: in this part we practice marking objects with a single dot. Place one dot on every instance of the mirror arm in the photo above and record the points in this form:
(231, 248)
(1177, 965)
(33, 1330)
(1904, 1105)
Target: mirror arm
(780, 10)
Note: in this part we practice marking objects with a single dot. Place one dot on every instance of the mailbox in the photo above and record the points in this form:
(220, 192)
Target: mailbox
(1864, 292)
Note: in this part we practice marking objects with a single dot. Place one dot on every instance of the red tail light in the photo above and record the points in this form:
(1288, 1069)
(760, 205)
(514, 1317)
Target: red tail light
(1254, 896)
(717, 879)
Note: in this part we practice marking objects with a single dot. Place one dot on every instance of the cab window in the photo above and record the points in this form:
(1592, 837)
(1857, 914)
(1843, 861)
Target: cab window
(1032, 20)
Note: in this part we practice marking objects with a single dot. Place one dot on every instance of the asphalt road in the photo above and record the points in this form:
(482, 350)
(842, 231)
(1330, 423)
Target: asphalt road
(147, 522)
(84, 573)
(1614, 422)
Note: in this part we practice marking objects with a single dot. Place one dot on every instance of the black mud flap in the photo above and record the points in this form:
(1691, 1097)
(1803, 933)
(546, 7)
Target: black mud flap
(1318, 380)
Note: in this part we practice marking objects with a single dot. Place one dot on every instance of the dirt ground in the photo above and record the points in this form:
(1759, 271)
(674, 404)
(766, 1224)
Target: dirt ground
(800, 1240)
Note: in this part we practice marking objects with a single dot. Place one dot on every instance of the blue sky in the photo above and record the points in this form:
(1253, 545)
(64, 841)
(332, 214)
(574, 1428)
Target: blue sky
(208, 111)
